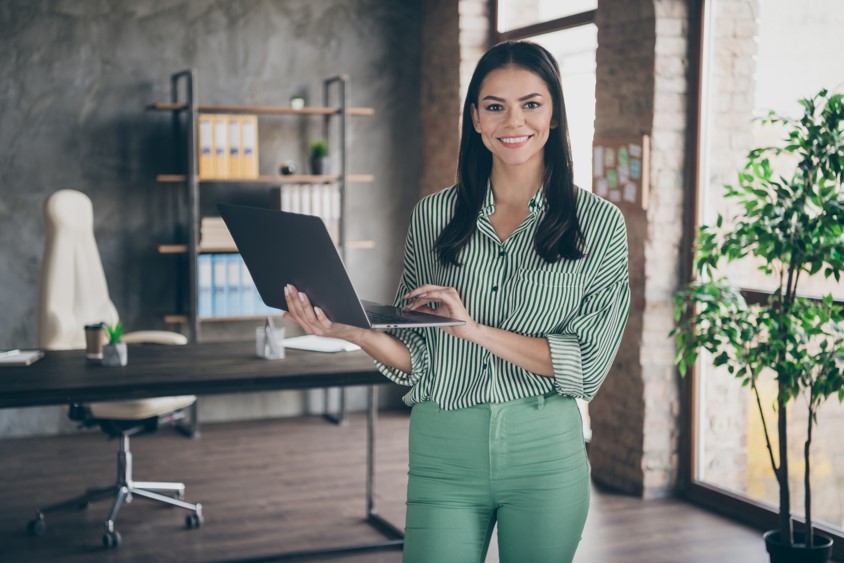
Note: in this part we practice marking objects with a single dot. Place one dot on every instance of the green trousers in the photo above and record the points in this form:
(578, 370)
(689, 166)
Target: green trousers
(521, 464)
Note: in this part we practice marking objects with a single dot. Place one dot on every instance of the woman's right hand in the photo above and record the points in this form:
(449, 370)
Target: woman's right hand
(313, 320)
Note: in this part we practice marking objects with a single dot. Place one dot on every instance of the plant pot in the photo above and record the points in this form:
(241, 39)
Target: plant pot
(798, 553)
(319, 165)
(115, 355)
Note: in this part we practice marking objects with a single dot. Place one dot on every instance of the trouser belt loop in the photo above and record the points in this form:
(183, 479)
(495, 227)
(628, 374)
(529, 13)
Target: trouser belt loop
(540, 402)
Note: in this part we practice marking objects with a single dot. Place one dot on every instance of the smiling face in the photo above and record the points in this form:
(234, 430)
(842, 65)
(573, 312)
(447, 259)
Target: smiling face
(514, 116)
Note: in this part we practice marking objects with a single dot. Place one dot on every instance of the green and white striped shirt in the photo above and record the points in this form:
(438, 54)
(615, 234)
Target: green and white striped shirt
(580, 306)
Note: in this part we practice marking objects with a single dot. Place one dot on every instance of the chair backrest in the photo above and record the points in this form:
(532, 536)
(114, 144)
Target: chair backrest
(73, 290)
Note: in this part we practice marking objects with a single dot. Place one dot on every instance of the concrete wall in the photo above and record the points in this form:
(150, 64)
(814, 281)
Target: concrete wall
(76, 78)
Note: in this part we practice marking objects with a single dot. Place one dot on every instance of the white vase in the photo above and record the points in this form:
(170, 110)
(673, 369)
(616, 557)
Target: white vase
(115, 355)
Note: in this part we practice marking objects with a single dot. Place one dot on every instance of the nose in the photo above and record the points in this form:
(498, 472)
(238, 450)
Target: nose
(515, 116)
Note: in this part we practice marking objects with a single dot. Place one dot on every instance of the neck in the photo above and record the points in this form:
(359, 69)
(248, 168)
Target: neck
(515, 185)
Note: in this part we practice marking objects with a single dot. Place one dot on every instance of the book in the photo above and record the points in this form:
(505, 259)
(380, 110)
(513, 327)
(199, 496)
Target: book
(221, 146)
(204, 275)
(205, 144)
(22, 358)
(233, 285)
(218, 285)
(249, 146)
(235, 156)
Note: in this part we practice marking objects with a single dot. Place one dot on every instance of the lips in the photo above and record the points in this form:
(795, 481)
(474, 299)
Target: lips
(514, 142)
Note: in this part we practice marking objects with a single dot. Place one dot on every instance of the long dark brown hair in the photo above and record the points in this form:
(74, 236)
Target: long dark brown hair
(559, 234)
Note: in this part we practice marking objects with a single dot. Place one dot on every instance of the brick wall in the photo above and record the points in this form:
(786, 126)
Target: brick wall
(440, 98)
(455, 36)
(641, 89)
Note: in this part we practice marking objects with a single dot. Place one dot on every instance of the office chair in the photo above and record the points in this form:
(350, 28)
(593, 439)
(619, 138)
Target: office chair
(74, 293)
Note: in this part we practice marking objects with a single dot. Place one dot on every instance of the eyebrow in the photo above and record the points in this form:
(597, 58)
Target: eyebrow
(522, 99)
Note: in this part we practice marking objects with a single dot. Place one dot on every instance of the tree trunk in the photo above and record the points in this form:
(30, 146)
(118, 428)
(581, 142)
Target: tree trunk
(786, 529)
(810, 533)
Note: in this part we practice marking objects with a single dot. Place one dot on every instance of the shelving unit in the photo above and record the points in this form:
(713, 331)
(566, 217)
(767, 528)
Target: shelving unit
(185, 112)
(184, 121)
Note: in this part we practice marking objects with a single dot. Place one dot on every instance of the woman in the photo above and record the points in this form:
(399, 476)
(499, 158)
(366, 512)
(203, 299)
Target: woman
(538, 270)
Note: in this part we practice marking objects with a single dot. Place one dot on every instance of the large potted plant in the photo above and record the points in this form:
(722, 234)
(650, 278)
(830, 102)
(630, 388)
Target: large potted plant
(792, 226)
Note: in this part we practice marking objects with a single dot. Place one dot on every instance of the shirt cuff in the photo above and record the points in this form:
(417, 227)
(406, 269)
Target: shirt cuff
(420, 359)
(566, 361)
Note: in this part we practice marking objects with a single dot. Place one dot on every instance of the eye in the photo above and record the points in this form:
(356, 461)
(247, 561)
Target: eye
(494, 107)
(533, 105)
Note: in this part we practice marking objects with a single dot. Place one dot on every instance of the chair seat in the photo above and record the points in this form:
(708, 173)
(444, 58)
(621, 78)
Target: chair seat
(140, 409)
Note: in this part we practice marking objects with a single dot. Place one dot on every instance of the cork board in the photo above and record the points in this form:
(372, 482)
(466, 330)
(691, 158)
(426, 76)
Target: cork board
(620, 170)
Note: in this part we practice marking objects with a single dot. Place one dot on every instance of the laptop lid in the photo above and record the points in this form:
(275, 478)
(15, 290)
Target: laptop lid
(280, 248)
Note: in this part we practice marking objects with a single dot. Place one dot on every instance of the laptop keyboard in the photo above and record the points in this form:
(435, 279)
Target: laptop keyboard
(382, 318)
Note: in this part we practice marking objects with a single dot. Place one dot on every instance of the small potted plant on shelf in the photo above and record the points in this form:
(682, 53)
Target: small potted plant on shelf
(114, 352)
(792, 226)
(319, 157)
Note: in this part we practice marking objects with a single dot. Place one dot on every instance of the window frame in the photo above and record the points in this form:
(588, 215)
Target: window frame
(541, 28)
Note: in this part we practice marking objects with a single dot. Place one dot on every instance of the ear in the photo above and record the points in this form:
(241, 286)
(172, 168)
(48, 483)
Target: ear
(475, 119)
(554, 123)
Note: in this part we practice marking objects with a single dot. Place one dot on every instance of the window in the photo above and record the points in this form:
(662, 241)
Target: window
(760, 55)
(514, 14)
(568, 31)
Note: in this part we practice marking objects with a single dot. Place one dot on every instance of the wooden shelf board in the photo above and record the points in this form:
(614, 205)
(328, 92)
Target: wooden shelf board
(293, 179)
(284, 110)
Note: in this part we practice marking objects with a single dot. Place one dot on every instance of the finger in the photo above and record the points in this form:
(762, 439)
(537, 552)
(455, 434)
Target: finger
(294, 306)
(421, 290)
(307, 309)
(323, 321)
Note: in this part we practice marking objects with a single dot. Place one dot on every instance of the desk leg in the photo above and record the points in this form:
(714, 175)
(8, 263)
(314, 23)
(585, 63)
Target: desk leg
(372, 516)
(340, 418)
(395, 536)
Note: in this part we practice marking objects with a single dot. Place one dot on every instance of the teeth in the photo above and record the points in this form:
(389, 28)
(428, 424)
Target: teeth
(514, 140)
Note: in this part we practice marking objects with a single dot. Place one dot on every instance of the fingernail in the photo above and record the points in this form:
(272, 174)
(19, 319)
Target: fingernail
(302, 297)
(287, 290)
(318, 311)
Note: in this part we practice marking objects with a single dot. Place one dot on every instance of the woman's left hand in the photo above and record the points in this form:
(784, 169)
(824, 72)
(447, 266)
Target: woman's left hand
(450, 305)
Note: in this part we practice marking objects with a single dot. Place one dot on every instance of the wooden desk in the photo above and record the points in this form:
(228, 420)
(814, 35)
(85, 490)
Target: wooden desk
(63, 377)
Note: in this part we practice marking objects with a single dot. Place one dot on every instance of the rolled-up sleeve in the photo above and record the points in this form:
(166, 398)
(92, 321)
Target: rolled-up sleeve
(583, 350)
(416, 340)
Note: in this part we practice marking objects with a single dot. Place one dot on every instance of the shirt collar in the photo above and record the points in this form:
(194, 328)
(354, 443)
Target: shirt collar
(488, 207)
(535, 205)
(537, 202)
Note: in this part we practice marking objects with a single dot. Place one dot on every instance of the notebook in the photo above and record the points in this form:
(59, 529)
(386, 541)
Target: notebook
(281, 248)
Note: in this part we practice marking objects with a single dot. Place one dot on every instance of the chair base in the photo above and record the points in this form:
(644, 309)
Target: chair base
(123, 491)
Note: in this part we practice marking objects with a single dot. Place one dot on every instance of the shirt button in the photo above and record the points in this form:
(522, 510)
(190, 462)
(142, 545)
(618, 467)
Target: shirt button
(484, 367)
(502, 253)
(494, 288)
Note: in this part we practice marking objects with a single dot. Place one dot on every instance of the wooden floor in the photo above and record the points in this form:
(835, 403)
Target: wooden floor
(291, 484)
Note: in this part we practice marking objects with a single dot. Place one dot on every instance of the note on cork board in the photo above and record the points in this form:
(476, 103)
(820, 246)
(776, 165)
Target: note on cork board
(620, 170)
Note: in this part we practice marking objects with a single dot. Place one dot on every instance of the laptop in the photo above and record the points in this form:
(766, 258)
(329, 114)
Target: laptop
(281, 248)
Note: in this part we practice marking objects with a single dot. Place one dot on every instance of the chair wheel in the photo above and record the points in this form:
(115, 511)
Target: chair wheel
(111, 540)
(36, 527)
(194, 520)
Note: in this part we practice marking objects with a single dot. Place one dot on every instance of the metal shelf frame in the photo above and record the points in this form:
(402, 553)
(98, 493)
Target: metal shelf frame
(185, 108)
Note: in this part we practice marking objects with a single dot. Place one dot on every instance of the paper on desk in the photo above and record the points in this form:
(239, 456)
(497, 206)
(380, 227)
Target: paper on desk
(315, 343)
(22, 358)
